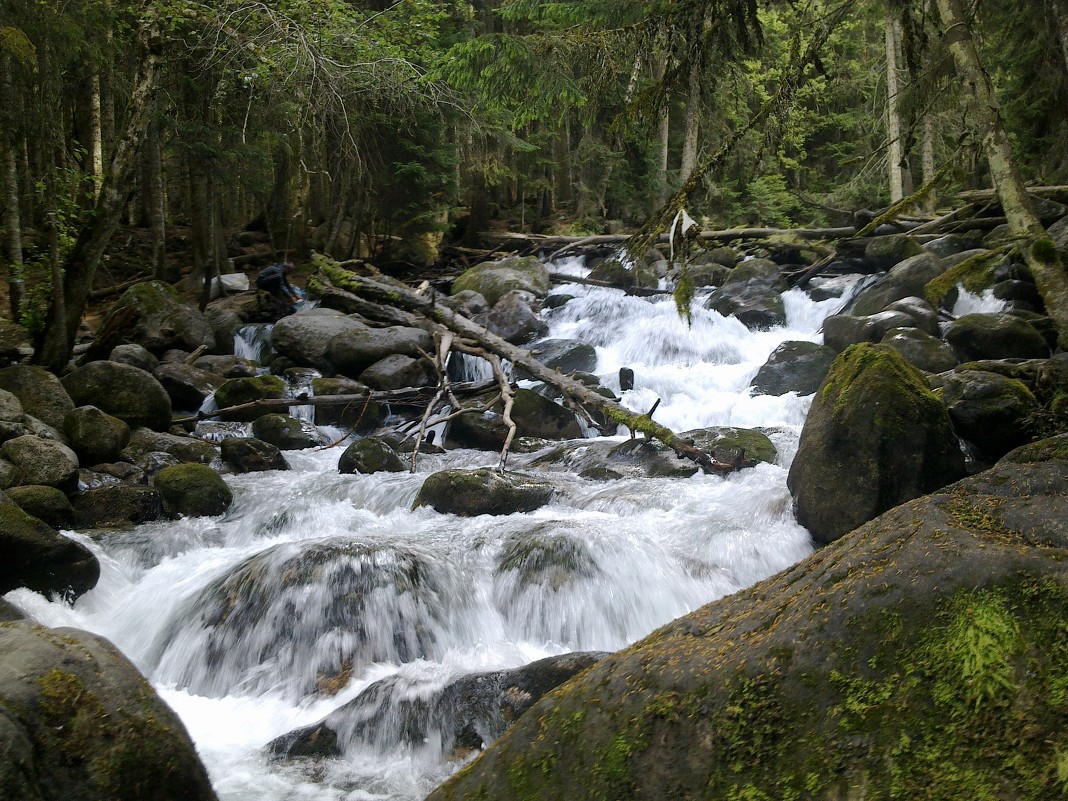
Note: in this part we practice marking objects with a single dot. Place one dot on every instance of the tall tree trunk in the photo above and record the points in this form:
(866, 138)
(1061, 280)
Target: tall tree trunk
(95, 236)
(96, 135)
(12, 216)
(660, 194)
(893, 111)
(1059, 13)
(693, 121)
(930, 202)
(155, 201)
(1047, 266)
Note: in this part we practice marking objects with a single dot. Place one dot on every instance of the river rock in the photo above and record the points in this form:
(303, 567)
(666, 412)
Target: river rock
(42, 461)
(907, 279)
(753, 294)
(370, 455)
(547, 557)
(224, 324)
(924, 315)
(605, 460)
(616, 273)
(991, 411)
(184, 449)
(187, 386)
(398, 372)
(226, 366)
(285, 432)
(361, 414)
(533, 414)
(11, 410)
(251, 455)
(468, 713)
(354, 351)
(237, 391)
(466, 302)
(134, 355)
(794, 366)
(927, 645)
(125, 392)
(883, 252)
(875, 437)
(117, 506)
(951, 245)
(727, 444)
(513, 319)
(95, 435)
(305, 336)
(151, 315)
(842, 330)
(80, 722)
(494, 279)
(192, 490)
(484, 491)
(48, 504)
(921, 350)
(565, 355)
(995, 336)
(40, 393)
(37, 557)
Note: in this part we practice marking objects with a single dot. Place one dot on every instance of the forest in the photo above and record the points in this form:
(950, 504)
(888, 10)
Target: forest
(152, 139)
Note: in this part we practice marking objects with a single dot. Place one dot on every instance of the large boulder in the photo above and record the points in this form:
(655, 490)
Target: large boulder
(187, 386)
(251, 455)
(753, 294)
(493, 279)
(883, 252)
(192, 490)
(875, 437)
(354, 351)
(285, 432)
(928, 353)
(370, 455)
(37, 557)
(920, 656)
(48, 504)
(995, 336)
(151, 315)
(467, 713)
(80, 722)
(993, 412)
(41, 393)
(361, 414)
(144, 441)
(42, 461)
(95, 435)
(484, 491)
(125, 392)
(794, 366)
(565, 355)
(116, 506)
(842, 330)
(397, 372)
(305, 336)
(239, 391)
(907, 279)
(136, 356)
(513, 319)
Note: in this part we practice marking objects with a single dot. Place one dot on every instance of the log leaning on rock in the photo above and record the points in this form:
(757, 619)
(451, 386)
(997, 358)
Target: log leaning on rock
(397, 295)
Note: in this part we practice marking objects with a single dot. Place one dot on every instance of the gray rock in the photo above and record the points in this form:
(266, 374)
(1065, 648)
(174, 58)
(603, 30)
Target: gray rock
(285, 432)
(125, 392)
(484, 491)
(991, 411)
(185, 449)
(224, 324)
(466, 302)
(950, 245)
(883, 252)
(921, 350)
(842, 330)
(251, 455)
(37, 557)
(227, 366)
(41, 393)
(42, 461)
(753, 294)
(361, 414)
(995, 336)
(923, 314)
(354, 351)
(370, 455)
(397, 372)
(906, 279)
(305, 336)
(11, 410)
(794, 366)
(565, 355)
(136, 356)
(492, 280)
(513, 320)
(95, 435)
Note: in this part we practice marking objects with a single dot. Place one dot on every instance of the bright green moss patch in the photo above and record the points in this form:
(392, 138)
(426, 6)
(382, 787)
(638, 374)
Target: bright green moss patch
(975, 274)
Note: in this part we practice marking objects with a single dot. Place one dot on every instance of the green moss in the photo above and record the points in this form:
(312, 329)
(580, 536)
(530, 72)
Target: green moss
(859, 367)
(975, 274)
(1044, 250)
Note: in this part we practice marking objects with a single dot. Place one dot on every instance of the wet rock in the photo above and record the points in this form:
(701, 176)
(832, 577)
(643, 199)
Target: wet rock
(907, 279)
(40, 393)
(484, 491)
(370, 455)
(728, 443)
(151, 315)
(42, 461)
(842, 330)
(513, 319)
(94, 435)
(238, 391)
(604, 460)
(398, 372)
(466, 302)
(494, 279)
(991, 411)
(995, 336)
(286, 433)
(125, 392)
(184, 449)
(192, 490)
(305, 336)
(883, 252)
(226, 366)
(545, 557)
(135, 356)
(37, 557)
(794, 366)
(354, 351)
(365, 416)
(921, 350)
(874, 437)
(48, 504)
(534, 416)
(615, 272)
(187, 386)
(152, 462)
(753, 294)
(251, 455)
(565, 355)
(81, 722)
(116, 506)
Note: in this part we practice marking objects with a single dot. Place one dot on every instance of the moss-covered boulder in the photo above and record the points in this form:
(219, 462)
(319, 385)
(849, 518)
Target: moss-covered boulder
(729, 443)
(187, 386)
(548, 557)
(875, 437)
(995, 336)
(466, 714)
(493, 279)
(251, 455)
(920, 656)
(95, 435)
(883, 252)
(398, 372)
(370, 455)
(48, 504)
(37, 557)
(484, 491)
(125, 392)
(794, 366)
(144, 441)
(993, 412)
(40, 392)
(117, 506)
(363, 415)
(285, 432)
(238, 391)
(42, 461)
(192, 490)
(928, 353)
(616, 273)
(752, 292)
(906, 279)
(152, 315)
(80, 722)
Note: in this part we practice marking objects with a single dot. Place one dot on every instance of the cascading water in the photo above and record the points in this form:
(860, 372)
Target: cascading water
(315, 585)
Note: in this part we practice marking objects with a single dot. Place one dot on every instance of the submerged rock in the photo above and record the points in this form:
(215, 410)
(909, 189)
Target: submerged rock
(370, 455)
(793, 367)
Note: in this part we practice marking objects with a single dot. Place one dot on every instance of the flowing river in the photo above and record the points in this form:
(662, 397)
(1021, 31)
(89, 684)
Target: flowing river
(236, 620)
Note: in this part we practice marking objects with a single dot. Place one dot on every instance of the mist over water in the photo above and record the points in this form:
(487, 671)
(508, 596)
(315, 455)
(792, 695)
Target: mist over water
(315, 579)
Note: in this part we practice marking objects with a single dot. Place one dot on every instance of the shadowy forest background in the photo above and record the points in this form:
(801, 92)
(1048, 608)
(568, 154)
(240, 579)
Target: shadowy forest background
(158, 138)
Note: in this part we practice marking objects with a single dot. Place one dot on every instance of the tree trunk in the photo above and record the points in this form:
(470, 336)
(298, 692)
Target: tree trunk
(930, 203)
(12, 217)
(1047, 266)
(693, 121)
(155, 201)
(96, 135)
(1060, 19)
(893, 111)
(94, 237)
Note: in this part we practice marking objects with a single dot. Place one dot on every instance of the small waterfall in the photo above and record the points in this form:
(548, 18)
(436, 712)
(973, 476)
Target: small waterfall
(983, 303)
(253, 341)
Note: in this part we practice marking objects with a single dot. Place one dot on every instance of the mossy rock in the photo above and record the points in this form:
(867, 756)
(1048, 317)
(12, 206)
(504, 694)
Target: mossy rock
(117, 506)
(494, 279)
(728, 443)
(81, 722)
(285, 432)
(370, 455)
(40, 392)
(883, 252)
(995, 336)
(993, 412)
(42, 461)
(975, 272)
(185, 449)
(238, 391)
(192, 490)
(362, 415)
(152, 315)
(484, 491)
(546, 557)
(95, 435)
(614, 272)
(875, 437)
(251, 455)
(45, 503)
(920, 656)
(37, 557)
(125, 392)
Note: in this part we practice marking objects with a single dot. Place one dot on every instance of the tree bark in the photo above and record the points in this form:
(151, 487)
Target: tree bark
(693, 122)
(12, 217)
(155, 201)
(893, 111)
(928, 162)
(94, 237)
(96, 134)
(1060, 18)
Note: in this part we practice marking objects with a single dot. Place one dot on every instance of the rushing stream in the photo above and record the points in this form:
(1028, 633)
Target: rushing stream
(238, 620)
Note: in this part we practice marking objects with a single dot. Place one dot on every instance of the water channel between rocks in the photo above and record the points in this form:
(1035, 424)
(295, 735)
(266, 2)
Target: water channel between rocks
(242, 655)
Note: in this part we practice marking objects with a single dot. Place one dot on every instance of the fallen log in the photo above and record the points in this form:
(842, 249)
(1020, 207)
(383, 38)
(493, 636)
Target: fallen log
(640, 291)
(571, 389)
